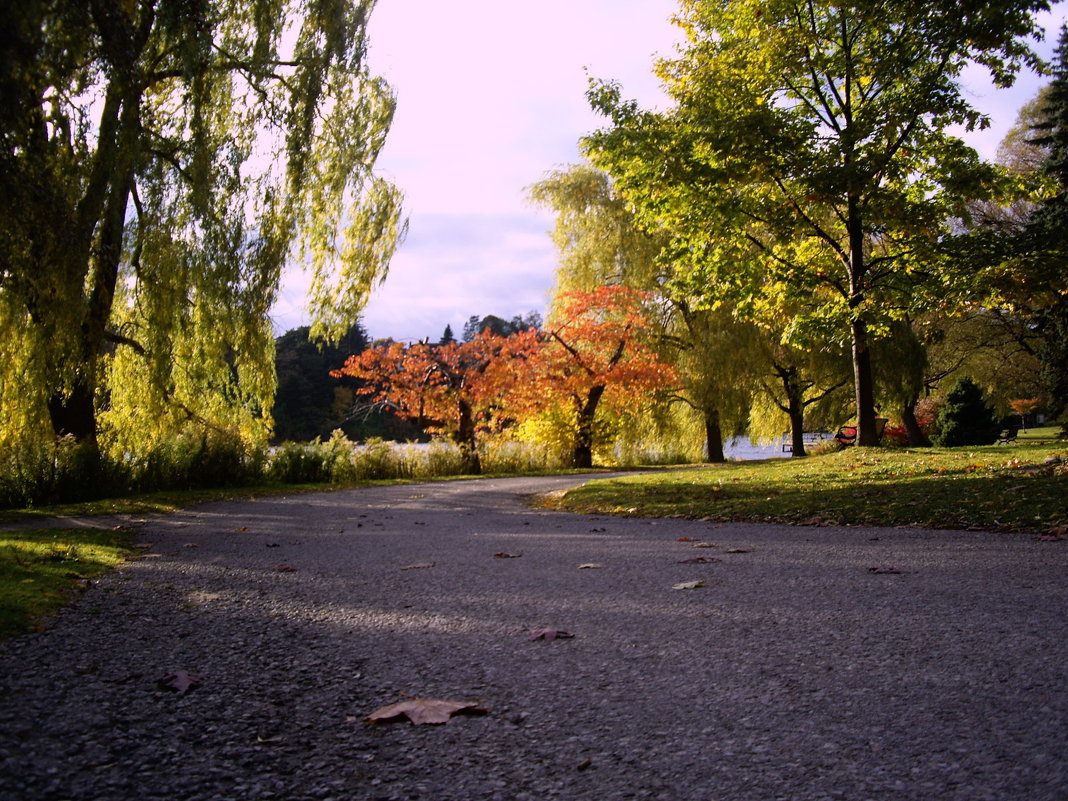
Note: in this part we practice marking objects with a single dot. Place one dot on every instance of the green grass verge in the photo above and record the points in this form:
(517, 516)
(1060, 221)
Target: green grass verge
(1015, 487)
(42, 570)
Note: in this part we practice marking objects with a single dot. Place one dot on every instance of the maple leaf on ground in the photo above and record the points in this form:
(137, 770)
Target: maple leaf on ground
(687, 585)
(180, 681)
(687, 539)
(425, 710)
(550, 634)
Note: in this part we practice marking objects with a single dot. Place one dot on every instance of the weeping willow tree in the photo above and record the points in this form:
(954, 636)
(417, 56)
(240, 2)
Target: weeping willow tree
(161, 162)
(601, 243)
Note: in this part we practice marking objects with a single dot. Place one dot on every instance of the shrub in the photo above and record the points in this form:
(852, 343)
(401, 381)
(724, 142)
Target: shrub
(196, 459)
(299, 463)
(60, 470)
(966, 419)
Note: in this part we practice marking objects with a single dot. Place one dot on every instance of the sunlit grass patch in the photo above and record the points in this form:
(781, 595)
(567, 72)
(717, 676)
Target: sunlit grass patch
(1021, 487)
(41, 570)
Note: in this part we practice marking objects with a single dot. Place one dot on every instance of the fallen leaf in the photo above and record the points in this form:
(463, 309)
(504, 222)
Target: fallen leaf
(419, 566)
(687, 585)
(425, 710)
(887, 570)
(506, 555)
(285, 568)
(590, 566)
(739, 550)
(584, 764)
(698, 560)
(686, 539)
(190, 545)
(705, 545)
(597, 530)
(180, 681)
(550, 634)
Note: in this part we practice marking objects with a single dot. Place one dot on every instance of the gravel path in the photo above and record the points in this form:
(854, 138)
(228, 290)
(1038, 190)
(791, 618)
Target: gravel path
(795, 673)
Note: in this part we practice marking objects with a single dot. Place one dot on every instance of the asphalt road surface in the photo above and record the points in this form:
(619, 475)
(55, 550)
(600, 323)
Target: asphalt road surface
(811, 664)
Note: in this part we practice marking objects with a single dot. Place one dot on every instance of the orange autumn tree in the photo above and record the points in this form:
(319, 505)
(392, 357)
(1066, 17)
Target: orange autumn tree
(590, 356)
(440, 387)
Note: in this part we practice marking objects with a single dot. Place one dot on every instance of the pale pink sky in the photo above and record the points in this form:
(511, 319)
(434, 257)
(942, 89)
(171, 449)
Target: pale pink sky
(491, 96)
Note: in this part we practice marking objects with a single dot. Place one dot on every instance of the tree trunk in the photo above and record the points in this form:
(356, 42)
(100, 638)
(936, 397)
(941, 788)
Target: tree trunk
(863, 386)
(713, 436)
(797, 428)
(582, 456)
(74, 414)
(466, 440)
(862, 372)
(917, 439)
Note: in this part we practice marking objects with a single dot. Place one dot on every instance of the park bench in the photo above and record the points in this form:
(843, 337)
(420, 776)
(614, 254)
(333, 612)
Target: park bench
(1008, 435)
(847, 435)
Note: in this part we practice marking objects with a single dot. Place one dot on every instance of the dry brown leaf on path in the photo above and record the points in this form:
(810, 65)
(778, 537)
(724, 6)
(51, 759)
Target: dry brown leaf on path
(687, 585)
(506, 555)
(739, 550)
(885, 570)
(705, 545)
(590, 566)
(698, 560)
(180, 681)
(425, 710)
(419, 566)
(284, 568)
(687, 539)
(550, 634)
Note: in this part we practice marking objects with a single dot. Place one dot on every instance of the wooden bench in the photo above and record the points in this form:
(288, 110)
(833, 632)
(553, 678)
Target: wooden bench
(847, 435)
(1008, 435)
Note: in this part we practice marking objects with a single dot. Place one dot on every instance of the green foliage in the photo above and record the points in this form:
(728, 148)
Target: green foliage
(805, 170)
(965, 418)
(495, 325)
(160, 163)
(58, 469)
(311, 403)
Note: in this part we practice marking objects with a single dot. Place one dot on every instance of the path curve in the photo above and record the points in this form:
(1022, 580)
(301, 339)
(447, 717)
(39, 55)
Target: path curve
(796, 672)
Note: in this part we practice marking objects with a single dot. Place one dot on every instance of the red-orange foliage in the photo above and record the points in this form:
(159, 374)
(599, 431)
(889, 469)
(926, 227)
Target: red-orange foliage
(590, 351)
(440, 387)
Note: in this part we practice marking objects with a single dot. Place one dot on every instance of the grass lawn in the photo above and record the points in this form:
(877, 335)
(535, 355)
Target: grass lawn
(1016, 487)
(41, 570)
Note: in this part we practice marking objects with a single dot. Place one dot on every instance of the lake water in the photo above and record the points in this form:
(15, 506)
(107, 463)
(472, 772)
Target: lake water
(742, 449)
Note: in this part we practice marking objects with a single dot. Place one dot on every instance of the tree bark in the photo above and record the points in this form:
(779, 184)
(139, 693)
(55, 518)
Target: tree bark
(863, 385)
(713, 436)
(582, 456)
(862, 371)
(917, 439)
(466, 440)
